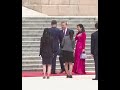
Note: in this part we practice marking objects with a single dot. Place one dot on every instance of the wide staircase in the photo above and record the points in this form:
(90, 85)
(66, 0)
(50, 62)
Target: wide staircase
(32, 29)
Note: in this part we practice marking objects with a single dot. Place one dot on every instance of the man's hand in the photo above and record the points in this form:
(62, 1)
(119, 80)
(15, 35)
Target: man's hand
(92, 55)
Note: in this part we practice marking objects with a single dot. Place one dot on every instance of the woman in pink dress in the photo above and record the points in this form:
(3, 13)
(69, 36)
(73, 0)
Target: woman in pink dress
(79, 64)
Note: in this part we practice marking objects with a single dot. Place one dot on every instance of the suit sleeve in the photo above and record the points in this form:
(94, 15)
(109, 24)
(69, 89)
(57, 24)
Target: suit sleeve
(41, 45)
(52, 46)
(84, 40)
(63, 41)
(73, 44)
(60, 38)
(92, 44)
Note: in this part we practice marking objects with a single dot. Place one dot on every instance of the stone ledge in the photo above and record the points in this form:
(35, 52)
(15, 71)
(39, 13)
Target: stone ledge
(31, 13)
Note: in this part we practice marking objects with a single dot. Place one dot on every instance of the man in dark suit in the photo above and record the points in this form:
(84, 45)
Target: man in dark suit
(55, 32)
(94, 50)
(63, 32)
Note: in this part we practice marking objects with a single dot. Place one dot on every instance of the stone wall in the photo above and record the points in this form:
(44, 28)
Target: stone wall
(63, 7)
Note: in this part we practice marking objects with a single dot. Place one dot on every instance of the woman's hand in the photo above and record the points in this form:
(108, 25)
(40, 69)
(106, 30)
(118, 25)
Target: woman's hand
(92, 55)
(74, 52)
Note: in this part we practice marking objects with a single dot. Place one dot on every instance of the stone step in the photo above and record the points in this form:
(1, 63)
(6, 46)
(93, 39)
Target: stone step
(57, 68)
(40, 66)
(58, 22)
(89, 66)
(33, 35)
(38, 39)
(30, 39)
(42, 28)
(48, 25)
(37, 45)
(35, 49)
(39, 57)
(57, 64)
(35, 54)
(59, 25)
(40, 62)
(60, 18)
(38, 42)
(88, 61)
(30, 53)
(40, 70)
(40, 33)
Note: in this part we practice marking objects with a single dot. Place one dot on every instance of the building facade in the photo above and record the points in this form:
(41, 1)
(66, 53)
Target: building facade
(63, 7)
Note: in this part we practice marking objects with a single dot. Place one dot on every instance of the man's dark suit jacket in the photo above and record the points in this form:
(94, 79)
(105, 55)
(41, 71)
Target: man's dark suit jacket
(94, 43)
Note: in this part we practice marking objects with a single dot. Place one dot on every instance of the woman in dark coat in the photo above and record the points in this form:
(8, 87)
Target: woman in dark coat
(46, 51)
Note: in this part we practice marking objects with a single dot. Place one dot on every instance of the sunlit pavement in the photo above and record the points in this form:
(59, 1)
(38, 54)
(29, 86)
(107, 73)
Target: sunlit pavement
(78, 82)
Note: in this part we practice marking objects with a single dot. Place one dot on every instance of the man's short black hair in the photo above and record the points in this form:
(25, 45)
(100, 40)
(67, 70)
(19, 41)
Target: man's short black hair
(53, 22)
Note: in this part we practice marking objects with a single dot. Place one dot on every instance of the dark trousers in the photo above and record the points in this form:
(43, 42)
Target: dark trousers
(54, 63)
(61, 63)
(96, 65)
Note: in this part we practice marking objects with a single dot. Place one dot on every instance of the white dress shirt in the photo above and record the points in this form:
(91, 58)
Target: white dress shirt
(65, 31)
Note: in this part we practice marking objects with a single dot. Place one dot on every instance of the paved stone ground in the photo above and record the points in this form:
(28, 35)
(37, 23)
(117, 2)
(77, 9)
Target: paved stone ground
(78, 82)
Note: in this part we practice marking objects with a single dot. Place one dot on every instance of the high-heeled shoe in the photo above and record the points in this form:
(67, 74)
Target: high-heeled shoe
(48, 77)
(67, 76)
(44, 77)
(70, 76)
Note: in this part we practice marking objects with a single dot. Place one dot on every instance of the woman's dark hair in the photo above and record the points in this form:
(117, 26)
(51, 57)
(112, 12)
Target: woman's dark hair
(46, 36)
(71, 34)
(81, 26)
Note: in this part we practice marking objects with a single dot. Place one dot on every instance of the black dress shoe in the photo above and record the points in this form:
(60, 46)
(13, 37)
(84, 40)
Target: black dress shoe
(67, 76)
(44, 77)
(62, 71)
(70, 76)
(53, 73)
(48, 77)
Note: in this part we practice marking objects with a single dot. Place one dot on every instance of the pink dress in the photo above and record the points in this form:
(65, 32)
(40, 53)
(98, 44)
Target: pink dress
(79, 64)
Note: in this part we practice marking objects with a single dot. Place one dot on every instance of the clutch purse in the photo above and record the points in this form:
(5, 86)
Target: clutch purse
(83, 56)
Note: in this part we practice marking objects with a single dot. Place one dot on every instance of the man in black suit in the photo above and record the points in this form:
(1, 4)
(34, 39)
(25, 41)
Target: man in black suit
(94, 50)
(63, 32)
(55, 32)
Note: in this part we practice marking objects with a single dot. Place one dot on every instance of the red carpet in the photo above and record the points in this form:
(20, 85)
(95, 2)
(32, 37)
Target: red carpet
(40, 74)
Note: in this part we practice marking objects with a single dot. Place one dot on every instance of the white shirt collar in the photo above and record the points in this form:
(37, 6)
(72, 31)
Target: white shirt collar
(65, 31)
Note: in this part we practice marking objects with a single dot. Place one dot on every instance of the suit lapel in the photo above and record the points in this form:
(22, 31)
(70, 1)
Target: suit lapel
(62, 33)
(67, 33)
